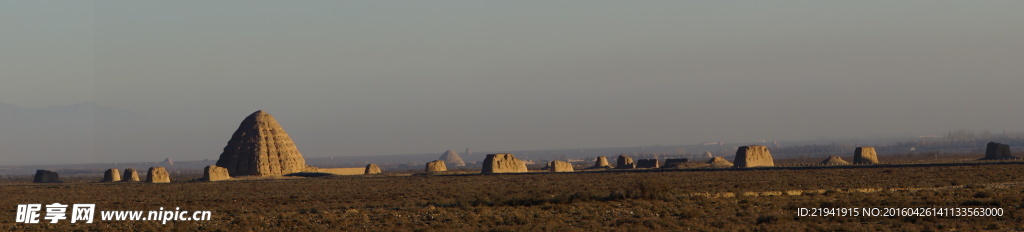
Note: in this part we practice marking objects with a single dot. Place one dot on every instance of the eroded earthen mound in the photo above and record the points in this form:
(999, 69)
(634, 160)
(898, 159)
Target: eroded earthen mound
(111, 175)
(601, 162)
(158, 175)
(681, 163)
(753, 156)
(834, 160)
(436, 166)
(865, 155)
(46, 176)
(503, 163)
(560, 166)
(372, 169)
(130, 175)
(625, 162)
(720, 162)
(994, 150)
(215, 173)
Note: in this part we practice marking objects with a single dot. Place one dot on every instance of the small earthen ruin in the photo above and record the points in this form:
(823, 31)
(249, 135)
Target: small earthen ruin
(215, 173)
(158, 175)
(503, 163)
(625, 162)
(865, 155)
(130, 175)
(560, 166)
(371, 169)
(995, 151)
(436, 166)
(753, 156)
(46, 176)
(111, 175)
(601, 162)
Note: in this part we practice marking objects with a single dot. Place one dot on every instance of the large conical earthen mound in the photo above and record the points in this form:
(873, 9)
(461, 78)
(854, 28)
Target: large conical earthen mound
(260, 147)
(452, 158)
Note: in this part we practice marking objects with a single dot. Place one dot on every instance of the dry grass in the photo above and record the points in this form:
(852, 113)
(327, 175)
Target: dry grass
(614, 200)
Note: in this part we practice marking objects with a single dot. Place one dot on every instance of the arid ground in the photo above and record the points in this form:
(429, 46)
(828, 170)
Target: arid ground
(698, 200)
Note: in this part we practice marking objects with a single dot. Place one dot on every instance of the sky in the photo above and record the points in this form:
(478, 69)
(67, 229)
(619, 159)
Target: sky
(349, 78)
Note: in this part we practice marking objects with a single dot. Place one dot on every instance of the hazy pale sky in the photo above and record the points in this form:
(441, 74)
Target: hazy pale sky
(394, 77)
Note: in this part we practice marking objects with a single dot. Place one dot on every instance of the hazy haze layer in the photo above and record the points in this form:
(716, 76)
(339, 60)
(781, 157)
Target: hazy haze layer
(375, 78)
